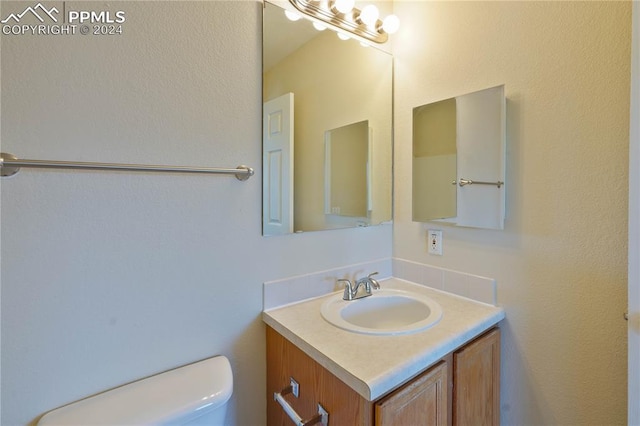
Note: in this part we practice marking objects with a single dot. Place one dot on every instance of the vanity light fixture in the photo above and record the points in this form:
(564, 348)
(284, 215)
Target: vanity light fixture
(369, 16)
(292, 16)
(343, 6)
(318, 26)
(343, 15)
(391, 24)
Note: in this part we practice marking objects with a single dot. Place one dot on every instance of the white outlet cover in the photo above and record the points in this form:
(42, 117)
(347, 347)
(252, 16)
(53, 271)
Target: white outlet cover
(434, 241)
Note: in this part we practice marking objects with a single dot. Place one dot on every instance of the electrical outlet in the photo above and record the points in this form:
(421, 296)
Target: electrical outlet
(434, 241)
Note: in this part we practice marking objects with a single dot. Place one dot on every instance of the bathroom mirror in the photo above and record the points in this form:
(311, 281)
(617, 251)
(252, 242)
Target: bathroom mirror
(459, 147)
(318, 92)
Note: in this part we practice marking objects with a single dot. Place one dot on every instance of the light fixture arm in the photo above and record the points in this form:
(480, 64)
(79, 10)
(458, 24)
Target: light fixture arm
(347, 22)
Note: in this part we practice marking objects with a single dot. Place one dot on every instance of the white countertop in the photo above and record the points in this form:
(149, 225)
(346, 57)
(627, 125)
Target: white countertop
(373, 365)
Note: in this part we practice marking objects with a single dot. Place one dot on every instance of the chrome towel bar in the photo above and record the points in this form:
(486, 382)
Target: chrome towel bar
(10, 165)
(464, 182)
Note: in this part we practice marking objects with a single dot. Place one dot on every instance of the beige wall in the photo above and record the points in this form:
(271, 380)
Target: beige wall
(560, 263)
(137, 273)
(434, 160)
(434, 129)
(111, 277)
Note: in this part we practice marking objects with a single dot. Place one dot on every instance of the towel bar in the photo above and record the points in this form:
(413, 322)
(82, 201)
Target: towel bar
(464, 182)
(10, 165)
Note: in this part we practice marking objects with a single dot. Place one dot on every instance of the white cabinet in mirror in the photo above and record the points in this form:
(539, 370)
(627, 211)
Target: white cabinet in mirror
(459, 155)
(324, 99)
(347, 191)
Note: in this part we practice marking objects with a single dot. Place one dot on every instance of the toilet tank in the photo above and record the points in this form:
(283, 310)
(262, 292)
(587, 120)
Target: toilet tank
(174, 397)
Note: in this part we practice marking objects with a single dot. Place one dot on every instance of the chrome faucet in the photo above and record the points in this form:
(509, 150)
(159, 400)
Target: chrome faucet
(351, 290)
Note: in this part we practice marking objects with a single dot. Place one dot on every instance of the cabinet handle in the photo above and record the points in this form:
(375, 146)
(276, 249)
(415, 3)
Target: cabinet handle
(322, 417)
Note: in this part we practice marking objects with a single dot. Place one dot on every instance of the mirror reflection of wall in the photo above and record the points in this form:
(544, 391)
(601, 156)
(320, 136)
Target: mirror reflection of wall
(333, 82)
(434, 161)
(347, 171)
(459, 148)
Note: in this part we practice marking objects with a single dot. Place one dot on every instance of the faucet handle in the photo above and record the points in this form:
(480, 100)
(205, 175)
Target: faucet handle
(373, 282)
(348, 295)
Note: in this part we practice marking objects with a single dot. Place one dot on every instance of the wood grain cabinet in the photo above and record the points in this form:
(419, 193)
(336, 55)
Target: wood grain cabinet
(460, 389)
(422, 401)
(476, 382)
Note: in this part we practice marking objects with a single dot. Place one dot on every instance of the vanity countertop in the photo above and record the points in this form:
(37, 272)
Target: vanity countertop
(372, 365)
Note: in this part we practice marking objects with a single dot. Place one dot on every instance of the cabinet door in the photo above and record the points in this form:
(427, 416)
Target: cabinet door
(317, 386)
(422, 401)
(481, 149)
(476, 382)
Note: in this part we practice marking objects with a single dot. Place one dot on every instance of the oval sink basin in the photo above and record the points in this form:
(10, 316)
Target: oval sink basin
(387, 311)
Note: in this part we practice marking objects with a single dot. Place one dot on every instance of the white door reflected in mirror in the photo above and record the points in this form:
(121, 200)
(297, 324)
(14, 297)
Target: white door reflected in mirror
(277, 165)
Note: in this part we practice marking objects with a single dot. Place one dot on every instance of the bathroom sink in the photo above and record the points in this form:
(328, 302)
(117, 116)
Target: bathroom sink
(385, 312)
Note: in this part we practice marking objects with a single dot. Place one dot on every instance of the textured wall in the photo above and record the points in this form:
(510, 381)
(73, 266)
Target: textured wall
(110, 277)
(560, 263)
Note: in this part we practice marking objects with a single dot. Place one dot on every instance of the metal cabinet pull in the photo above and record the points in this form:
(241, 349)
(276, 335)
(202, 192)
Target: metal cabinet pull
(322, 417)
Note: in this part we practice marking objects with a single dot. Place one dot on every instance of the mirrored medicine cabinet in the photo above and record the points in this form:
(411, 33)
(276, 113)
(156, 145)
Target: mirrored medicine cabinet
(327, 129)
(459, 149)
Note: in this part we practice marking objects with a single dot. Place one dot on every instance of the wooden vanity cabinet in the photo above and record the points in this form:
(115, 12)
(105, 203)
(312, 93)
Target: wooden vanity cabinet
(317, 385)
(476, 381)
(461, 389)
(422, 401)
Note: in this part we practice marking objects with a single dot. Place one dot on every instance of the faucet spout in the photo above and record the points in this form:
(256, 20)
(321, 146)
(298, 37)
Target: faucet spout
(351, 290)
(374, 283)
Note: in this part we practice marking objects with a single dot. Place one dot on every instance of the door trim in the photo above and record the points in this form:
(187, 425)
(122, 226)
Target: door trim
(634, 227)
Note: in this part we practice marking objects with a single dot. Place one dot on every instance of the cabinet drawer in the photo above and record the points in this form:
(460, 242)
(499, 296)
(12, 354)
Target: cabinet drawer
(317, 386)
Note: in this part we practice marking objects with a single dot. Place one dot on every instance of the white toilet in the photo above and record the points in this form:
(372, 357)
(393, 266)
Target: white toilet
(175, 397)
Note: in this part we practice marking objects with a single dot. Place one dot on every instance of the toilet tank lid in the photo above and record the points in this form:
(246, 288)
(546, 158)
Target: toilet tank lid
(180, 394)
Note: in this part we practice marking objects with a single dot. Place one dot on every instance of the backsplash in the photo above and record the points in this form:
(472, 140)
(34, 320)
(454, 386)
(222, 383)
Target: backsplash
(289, 290)
(294, 289)
(481, 289)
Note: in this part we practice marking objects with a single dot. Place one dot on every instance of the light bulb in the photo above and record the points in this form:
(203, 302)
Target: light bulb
(344, 6)
(318, 26)
(343, 36)
(369, 15)
(292, 15)
(391, 24)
